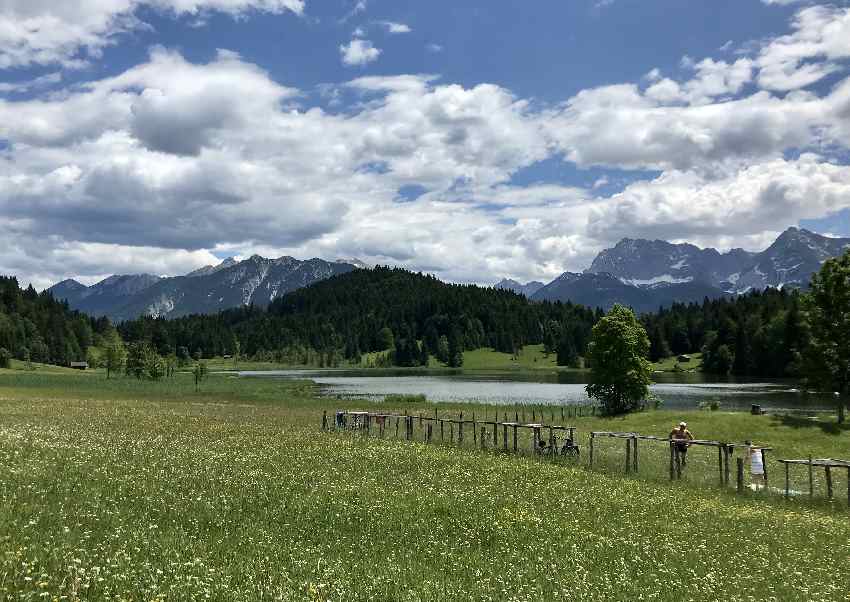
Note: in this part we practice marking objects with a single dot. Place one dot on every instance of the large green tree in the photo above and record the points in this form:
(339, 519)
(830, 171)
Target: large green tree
(827, 361)
(619, 369)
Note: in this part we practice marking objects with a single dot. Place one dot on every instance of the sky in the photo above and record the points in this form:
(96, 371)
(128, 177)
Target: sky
(474, 140)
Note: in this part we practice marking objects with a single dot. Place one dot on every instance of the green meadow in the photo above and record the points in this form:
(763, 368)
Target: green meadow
(135, 490)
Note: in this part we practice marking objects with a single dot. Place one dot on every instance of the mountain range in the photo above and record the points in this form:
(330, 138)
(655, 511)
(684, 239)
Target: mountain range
(648, 274)
(644, 274)
(231, 283)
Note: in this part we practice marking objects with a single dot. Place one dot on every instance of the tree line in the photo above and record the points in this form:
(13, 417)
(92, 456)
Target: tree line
(34, 327)
(406, 316)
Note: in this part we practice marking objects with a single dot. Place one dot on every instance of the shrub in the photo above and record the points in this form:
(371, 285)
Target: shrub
(397, 398)
(5, 358)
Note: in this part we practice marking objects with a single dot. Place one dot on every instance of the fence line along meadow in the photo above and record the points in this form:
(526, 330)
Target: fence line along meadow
(704, 463)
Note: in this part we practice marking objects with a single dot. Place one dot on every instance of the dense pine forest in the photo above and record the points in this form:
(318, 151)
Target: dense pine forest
(762, 333)
(413, 316)
(408, 317)
(35, 327)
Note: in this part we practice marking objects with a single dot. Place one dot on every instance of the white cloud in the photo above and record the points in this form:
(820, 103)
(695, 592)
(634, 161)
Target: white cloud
(820, 39)
(171, 160)
(396, 28)
(766, 196)
(69, 32)
(358, 53)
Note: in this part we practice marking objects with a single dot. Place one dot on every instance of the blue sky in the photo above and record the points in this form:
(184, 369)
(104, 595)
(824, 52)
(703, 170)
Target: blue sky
(478, 140)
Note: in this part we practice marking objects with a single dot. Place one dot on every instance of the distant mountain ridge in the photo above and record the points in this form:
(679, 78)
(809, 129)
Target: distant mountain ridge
(527, 289)
(648, 274)
(256, 280)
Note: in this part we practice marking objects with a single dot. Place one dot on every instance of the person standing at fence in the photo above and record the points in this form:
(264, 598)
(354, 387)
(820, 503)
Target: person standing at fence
(681, 435)
(757, 467)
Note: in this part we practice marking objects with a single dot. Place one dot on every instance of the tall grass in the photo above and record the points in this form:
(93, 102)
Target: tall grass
(121, 490)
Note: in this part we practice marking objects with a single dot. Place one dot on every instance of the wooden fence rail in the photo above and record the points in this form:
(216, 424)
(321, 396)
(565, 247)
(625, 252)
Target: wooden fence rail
(486, 432)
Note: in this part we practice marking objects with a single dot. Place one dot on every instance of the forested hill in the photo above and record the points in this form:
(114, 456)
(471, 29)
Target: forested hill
(35, 326)
(762, 333)
(413, 316)
(376, 310)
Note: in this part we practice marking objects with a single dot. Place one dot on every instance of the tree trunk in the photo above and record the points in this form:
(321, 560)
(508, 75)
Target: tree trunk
(840, 410)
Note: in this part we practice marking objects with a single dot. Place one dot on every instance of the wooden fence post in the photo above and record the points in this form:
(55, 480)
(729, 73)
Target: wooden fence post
(324, 420)
(672, 467)
(787, 480)
(368, 424)
(483, 434)
(828, 474)
(592, 437)
(396, 427)
(452, 432)
(726, 454)
(441, 430)
(496, 431)
(505, 434)
(720, 463)
(628, 454)
(516, 440)
(764, 465)
(635, 454)
(740, 473)
(460, 430)
(535, 439)
(474, 430)
(848, 486)
(428, 433)
(811, 479)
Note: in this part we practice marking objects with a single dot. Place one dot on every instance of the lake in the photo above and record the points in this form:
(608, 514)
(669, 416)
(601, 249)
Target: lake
(545, 388)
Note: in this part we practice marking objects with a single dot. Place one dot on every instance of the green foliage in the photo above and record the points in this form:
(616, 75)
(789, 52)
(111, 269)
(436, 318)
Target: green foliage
(386, 340)
(199, 373)
(114, 353)
(762, 333)
(619, 376)
(368, 311)
(5, 358)
(827, 359)
(567, 353)
(396, 398)
(155, 366)
(36, 326)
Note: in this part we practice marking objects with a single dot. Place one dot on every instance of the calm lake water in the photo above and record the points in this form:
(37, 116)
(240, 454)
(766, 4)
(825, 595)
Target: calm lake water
(509, 388)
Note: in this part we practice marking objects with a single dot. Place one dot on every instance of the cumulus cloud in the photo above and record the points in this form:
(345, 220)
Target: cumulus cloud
(358, 53)
(171, 160)
(762, 197)
(821, 38)
(393, 27)
(68, 32)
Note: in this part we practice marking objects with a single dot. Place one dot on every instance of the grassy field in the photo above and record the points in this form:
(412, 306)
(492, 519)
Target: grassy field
(150, 491)
(672, 364)
(531, 357)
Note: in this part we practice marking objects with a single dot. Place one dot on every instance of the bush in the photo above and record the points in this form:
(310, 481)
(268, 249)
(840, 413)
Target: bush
(396, 398)
(5, 358)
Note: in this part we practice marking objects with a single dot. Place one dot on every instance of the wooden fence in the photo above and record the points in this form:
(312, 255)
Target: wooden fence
(540, 439)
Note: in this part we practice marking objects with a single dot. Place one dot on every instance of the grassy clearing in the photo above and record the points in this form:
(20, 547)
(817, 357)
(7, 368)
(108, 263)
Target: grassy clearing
(672, 364)
(531, 357)
(126, 490)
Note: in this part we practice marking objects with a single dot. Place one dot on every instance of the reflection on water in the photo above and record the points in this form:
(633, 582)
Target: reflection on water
(562, 388)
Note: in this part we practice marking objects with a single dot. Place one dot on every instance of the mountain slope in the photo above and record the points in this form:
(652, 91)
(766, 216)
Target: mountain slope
(648, 274)
(232, 283)
(523, 289)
